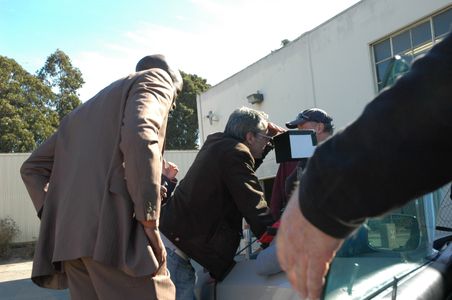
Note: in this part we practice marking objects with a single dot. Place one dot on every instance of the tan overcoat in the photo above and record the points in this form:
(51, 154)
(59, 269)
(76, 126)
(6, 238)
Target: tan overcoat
(103, 166)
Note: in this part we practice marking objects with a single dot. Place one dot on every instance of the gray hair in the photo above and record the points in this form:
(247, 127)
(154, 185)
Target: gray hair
(244, 120)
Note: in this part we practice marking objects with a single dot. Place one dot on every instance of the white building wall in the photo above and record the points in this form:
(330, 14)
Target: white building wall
(16, 204)
(330, 67)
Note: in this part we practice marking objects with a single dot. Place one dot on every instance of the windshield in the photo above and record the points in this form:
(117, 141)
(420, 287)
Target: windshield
(385, 249)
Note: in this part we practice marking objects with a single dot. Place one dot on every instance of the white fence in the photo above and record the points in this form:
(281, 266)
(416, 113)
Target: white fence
(14, 200)
(16, 204)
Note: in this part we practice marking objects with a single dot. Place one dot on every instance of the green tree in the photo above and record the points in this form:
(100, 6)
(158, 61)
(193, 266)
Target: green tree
(64, 79)
(26, 116)
(182, 132)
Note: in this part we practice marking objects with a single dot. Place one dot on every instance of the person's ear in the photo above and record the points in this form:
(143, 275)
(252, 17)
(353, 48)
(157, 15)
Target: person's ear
(320, 128)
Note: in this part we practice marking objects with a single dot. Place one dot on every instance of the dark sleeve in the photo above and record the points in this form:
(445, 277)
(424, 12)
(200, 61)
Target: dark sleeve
(170, 185)
(245, 189)
(278, 193)
(397, 150)
(291, 182)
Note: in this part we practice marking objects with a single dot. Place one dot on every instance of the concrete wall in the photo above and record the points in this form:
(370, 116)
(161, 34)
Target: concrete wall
(16, 204)
(330, 67)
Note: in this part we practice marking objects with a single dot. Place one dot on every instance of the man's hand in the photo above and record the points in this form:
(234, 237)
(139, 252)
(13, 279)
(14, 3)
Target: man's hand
(169, 169)
(163, 191)
(153, 235)
(304, 252)
(274, 129)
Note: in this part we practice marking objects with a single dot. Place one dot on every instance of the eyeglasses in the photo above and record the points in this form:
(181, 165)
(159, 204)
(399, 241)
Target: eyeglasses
(267, 137)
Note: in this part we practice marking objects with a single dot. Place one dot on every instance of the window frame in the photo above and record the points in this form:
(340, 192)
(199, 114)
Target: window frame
(412, 52)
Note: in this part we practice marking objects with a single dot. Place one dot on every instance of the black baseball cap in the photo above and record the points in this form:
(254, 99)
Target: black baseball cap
(313, 114)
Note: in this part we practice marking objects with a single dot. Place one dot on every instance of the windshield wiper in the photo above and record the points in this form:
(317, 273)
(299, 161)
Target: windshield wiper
(442, 228)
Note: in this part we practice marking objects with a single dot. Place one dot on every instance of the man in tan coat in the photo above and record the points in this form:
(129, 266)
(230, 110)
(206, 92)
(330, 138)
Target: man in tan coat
(96, 185)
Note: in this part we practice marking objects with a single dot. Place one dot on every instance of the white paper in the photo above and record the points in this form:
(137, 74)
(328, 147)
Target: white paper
(301, 145)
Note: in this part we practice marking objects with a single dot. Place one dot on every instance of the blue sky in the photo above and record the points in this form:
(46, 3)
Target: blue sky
(210, 38)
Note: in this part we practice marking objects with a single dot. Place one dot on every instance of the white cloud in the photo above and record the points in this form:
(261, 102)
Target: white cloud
(229, 36)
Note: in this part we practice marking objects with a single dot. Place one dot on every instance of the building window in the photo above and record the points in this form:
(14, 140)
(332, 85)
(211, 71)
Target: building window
(402, 47)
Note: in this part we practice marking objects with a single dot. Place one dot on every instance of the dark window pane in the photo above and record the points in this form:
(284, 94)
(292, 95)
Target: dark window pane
(421, 34)
(381, 70)
(401, 42)
(382, 50)
(442, 23)
(397, 66)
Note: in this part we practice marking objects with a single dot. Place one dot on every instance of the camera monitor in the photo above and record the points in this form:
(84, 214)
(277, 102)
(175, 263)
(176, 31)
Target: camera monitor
(294, 145)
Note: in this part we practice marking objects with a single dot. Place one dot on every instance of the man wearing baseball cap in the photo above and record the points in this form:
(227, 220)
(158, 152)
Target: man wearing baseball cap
(316, 119)
(310, 119)
(288, 173)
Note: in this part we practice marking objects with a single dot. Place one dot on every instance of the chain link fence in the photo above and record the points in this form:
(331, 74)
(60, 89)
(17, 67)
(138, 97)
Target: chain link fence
(443, 203)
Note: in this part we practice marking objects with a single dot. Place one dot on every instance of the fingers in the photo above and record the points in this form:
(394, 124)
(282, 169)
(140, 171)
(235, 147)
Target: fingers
(152, 233)
(170, 169)
(172, 165)
(291, 257)
(163, 191)
(315, 278)
(274, 129)
(156, 244)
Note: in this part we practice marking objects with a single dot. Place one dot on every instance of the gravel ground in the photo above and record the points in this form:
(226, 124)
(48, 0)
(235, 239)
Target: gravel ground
(17, 263)
(15, 270)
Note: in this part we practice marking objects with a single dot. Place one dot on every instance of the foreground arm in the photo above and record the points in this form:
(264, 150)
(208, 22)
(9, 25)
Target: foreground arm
(394, 152)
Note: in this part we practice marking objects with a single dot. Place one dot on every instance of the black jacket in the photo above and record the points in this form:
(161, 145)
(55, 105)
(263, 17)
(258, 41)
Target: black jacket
(398, 149)
(204, 216)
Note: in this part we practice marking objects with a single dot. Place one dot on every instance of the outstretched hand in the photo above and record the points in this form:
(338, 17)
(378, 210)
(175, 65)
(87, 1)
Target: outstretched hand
(304, 252)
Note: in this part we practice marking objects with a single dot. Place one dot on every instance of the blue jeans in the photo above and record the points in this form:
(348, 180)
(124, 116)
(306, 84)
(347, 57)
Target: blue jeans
(182, 274)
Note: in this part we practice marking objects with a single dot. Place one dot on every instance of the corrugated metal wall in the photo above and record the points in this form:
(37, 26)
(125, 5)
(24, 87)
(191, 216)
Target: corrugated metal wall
(182, 158)
(15, 202)
(14, 199)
